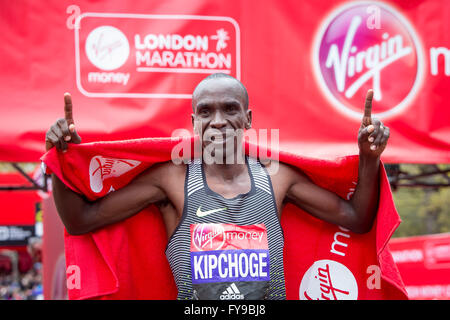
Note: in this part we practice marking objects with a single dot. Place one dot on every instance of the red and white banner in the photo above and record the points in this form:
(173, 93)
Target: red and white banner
(307, 67)
(424, 264)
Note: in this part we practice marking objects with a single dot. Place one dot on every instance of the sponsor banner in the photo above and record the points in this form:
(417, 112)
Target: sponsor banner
(350, 55)
(226, 253)
(424, 264)
(119, 55)
(131, 71)
(15, 235)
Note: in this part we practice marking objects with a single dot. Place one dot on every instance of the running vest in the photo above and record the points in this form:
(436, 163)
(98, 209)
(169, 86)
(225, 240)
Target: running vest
(228, 249)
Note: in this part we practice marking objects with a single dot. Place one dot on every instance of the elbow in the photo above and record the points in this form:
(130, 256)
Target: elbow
(357, 223)
(358, 219)
(360, 225)
(76, 229)
(361, 229)
(78, 225)
(77, 222)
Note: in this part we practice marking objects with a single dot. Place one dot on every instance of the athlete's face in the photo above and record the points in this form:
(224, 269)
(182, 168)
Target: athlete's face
(219, 108)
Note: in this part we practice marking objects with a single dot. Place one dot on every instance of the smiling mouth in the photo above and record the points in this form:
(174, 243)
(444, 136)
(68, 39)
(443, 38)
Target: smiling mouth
(219, 136)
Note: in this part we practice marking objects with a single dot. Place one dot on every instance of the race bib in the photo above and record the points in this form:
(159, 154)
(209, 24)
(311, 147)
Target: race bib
(229, 262)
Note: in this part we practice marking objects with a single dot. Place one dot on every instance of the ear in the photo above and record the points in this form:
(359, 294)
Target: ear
(197, 125)
(248, 125)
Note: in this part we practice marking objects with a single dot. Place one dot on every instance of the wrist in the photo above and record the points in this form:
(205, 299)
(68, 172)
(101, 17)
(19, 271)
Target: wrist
(369, 161)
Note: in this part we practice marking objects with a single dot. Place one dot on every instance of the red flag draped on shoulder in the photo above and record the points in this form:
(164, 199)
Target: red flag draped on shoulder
(126, 260)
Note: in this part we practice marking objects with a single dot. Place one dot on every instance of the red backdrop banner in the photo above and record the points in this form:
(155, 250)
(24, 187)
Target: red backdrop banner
(131, 68)
(424, 264)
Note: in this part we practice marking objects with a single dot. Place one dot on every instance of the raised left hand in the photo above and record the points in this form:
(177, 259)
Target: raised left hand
(373, 134)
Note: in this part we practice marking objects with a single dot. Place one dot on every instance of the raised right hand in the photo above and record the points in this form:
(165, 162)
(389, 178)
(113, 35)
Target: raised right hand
(62, 131)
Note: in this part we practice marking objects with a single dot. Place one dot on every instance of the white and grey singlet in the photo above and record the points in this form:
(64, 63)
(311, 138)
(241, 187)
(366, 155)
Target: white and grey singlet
(228, 249)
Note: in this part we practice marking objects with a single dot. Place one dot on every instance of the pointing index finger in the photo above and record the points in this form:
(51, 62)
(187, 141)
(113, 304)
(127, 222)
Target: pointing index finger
(68, 108)
(367, 118)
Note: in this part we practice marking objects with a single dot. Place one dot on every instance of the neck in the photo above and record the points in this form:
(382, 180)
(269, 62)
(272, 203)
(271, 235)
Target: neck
(231, 167)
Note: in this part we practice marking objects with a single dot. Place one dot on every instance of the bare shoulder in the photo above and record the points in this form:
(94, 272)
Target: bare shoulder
(281, 170)
(168, 170)
(162, 173)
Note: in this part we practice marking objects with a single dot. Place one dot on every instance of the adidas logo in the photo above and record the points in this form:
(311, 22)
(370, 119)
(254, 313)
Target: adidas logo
(232, 293)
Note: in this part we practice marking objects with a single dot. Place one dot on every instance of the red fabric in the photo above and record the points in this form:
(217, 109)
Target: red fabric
(424, 263)
(126, 260)
(18, 206)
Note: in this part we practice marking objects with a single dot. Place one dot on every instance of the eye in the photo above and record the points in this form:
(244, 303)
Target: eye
(204, 111)
(230, 108)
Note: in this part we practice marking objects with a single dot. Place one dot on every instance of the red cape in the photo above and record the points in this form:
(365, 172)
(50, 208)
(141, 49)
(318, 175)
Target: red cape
(126, 260)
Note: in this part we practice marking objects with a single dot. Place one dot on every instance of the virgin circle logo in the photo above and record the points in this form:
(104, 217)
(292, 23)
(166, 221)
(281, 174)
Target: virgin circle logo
(208, 236)
(328, 280)
(107, 48)
(350, 56)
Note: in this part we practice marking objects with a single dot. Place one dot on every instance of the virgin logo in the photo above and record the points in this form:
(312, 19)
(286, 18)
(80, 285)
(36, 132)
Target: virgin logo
(328, 280)
(208, 236)
(101, 168)
(349, 58)
(107, 48)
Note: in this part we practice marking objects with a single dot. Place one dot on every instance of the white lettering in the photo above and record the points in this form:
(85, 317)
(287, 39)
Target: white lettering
(344, 64)
(233, 265)
(109, 77)
(171, 42)
(409, 255)
(212, 264)
(336, 242)
(253, 264)
(262, 263)
(434, 60)
(223, 272)
(197, 267)
(230, 265)
(209, 60)
(243, 265)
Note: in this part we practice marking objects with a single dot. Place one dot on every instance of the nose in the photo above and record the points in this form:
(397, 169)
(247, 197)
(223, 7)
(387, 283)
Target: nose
(218, 121)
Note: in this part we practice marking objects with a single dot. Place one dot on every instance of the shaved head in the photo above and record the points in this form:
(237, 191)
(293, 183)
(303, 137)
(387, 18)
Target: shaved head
(217, 76)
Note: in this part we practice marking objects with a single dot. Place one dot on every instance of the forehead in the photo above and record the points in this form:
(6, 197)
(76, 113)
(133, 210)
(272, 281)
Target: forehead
(218, 90)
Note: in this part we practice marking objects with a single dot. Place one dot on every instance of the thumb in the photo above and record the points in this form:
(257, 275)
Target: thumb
(75, 137)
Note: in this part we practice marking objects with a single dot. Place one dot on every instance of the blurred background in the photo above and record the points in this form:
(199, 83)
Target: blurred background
(131, 68)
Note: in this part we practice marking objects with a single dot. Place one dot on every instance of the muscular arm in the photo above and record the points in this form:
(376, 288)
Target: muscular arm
(358, 213)
(81, 216)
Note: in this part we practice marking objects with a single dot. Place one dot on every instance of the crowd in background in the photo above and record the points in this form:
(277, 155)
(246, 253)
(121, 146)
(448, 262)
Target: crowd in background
(24, 281)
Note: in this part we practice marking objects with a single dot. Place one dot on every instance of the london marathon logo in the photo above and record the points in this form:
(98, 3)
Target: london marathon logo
(139, 55)
(351, 54)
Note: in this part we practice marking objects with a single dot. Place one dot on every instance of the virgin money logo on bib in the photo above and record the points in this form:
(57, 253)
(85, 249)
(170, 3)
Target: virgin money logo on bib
(229, 253)
(208, 236)
(140, 56)
(353, 54)
(328, 280)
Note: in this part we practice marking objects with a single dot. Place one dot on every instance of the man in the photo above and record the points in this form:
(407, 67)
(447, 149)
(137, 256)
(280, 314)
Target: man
(222, 218)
